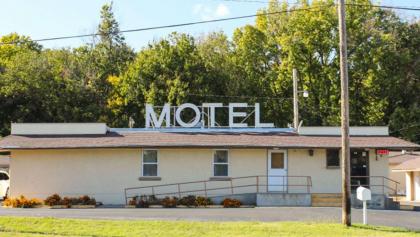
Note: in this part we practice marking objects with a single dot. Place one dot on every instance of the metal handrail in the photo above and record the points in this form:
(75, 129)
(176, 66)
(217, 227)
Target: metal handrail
(376, 176)
(257, 184)
(383, 185)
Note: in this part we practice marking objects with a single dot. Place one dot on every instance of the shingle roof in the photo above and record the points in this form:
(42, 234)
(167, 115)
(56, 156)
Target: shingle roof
(398, 159)
(408, 165)
(172, 139)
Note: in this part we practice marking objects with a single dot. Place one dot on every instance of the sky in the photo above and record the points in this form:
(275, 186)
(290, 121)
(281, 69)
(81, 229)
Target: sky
(52, 18)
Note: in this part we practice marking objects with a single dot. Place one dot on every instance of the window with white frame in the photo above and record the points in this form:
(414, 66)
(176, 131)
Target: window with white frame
(220, 163)
(150, 163)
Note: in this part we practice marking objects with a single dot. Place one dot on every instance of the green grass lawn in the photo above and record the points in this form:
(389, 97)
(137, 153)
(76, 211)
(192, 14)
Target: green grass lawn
(31, 226)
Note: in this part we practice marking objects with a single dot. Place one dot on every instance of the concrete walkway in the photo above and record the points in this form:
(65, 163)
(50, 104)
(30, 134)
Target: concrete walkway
(407, 219)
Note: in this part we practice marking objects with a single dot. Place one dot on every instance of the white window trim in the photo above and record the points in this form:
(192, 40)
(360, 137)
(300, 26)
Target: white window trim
(150, 163)
(221, 163)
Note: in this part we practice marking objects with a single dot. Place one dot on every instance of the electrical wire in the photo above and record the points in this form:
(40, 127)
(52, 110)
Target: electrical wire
(410, 8)
(217, 20)
(180, 24)
(241, 96)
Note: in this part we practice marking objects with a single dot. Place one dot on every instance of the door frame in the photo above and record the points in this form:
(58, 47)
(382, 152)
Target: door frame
(286, 168)
(367, 164)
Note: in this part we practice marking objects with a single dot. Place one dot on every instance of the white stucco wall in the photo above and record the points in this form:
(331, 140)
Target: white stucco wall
(328, 180)
(379, 166)
(399, 177)
(104, 173)
(99, 173)
(324, 180)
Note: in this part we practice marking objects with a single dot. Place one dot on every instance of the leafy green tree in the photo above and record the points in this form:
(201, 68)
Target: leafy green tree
(110, 57)
(107, 81)
(12, 44)
(167, 71)
(41, 87)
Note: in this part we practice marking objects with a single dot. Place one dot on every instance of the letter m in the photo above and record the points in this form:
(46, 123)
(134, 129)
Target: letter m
(151, 118)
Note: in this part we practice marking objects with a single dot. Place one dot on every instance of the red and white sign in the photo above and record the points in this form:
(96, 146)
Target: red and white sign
(382, 152)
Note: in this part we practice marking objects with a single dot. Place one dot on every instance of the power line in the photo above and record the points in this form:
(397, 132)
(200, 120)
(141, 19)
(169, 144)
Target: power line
(179, 25)
(247, 1)
(415, 8)
(385, 6)
(217, 20)
(406, 128)
(241, 96)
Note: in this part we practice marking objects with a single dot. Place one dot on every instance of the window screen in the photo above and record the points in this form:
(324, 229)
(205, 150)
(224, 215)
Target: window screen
(150, 163)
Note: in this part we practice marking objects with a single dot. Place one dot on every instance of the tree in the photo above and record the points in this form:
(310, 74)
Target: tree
(12, 44)
(107, 81)
(167, 71)
(111, 56)
(43, 87)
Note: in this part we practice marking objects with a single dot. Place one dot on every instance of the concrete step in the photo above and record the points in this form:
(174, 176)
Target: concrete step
(391, 204)
(407, 207)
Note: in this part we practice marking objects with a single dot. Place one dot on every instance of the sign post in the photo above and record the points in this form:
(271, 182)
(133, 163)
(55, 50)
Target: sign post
(364, 195)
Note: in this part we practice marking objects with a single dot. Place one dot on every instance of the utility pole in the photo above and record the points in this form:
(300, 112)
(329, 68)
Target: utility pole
(345, 148)
(295, 100)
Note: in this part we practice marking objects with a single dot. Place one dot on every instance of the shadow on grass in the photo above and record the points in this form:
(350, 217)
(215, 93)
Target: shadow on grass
(383, 228)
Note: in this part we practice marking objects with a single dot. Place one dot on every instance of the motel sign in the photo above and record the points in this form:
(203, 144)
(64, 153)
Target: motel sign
(203, 116)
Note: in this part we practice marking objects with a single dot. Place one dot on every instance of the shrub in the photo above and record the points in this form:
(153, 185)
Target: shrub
(53, 200)
(203, 202)
(228, 203)
(66, 201)
(152, 199)
(189, 201)
(86, 200)
(169, 202)
(22, 202)
(133, 201)
(143, 204)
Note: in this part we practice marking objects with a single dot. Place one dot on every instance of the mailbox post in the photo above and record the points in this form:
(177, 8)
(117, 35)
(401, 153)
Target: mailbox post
(364, 194)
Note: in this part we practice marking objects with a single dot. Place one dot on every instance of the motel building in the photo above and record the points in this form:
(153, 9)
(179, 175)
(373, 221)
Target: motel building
(183, 150)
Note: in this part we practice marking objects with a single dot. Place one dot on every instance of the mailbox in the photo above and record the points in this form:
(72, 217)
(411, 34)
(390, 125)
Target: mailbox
(363, 194)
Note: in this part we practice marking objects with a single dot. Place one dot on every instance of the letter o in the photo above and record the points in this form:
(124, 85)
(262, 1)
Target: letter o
(179, 119)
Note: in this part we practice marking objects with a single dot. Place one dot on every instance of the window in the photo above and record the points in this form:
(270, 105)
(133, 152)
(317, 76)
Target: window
(220, 163)
(150, 163)
(277, 160)
(333, 158)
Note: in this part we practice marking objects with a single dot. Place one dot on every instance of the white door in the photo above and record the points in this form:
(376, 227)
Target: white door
(277, 171)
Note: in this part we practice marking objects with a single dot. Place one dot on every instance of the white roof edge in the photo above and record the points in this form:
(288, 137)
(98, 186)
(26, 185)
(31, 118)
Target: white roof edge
(101, 128)
(59, 128)
(354, 131)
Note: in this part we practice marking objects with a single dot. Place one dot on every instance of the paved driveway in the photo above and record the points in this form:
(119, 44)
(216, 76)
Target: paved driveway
(407, 219)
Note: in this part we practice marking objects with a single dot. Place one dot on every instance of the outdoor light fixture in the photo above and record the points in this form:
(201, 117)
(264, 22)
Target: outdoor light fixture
(305, 94)
(311, 152)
